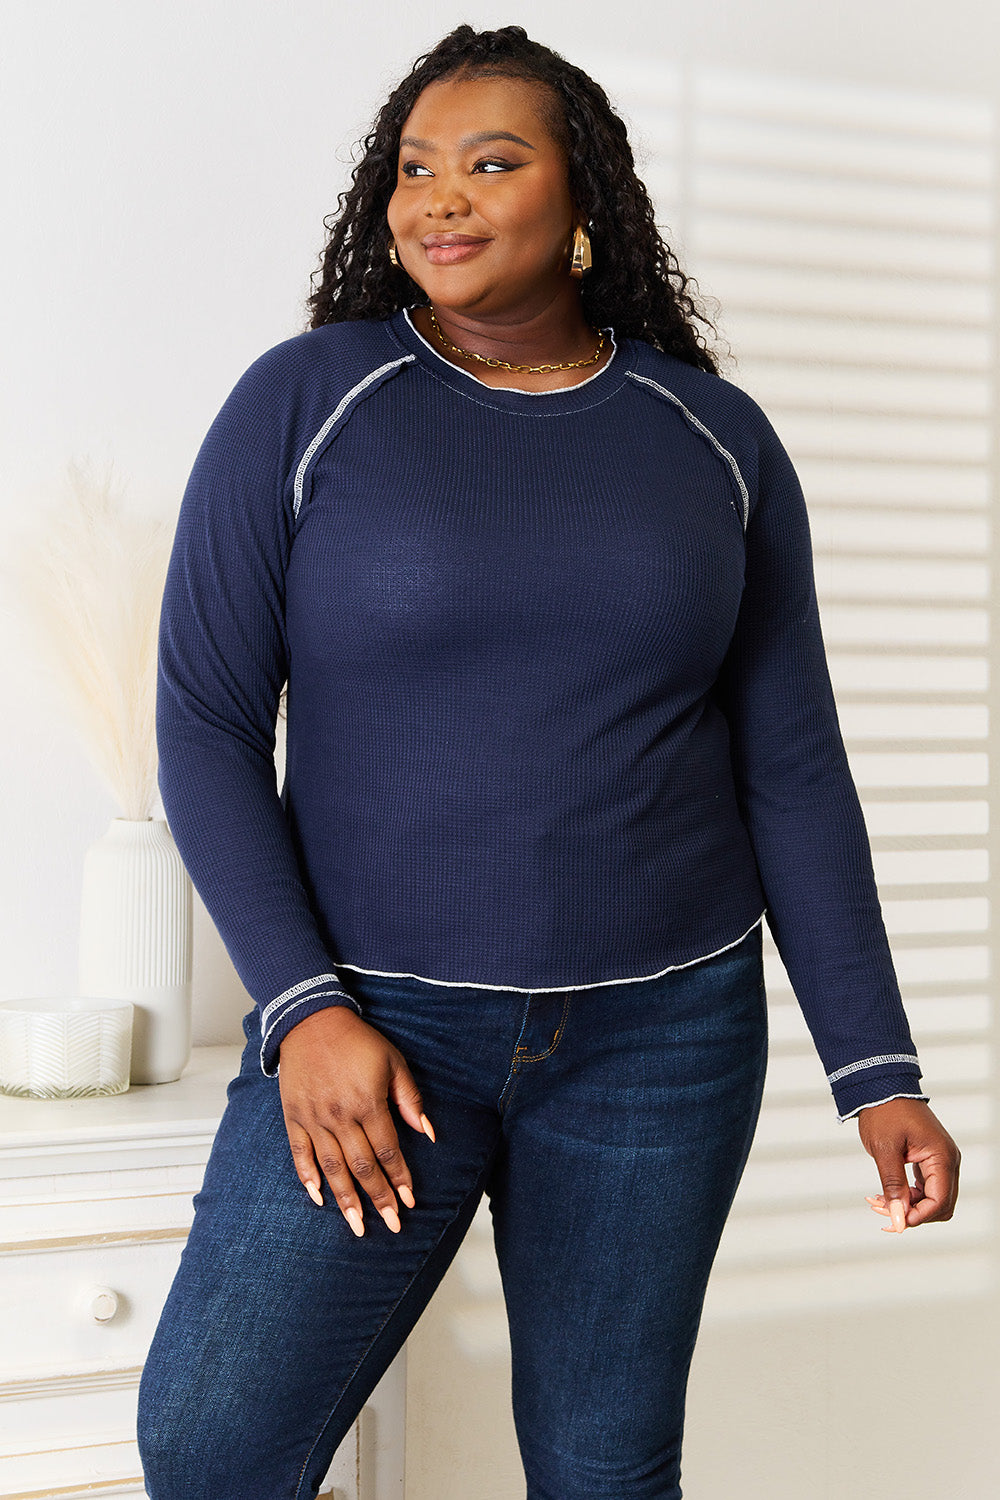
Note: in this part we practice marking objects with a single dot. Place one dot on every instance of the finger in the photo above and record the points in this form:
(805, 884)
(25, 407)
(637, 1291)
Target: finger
(334, 1168)
(897, 1213)
(891, 1164)
(359, 1156)
(940, 1190)
(381, 1132)
(927, 1202)
(918, 1192)
(406, 1096)
(304, 1159)
(893, 1210)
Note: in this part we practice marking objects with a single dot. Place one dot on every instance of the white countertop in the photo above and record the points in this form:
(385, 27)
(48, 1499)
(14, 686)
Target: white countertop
(198, 1098)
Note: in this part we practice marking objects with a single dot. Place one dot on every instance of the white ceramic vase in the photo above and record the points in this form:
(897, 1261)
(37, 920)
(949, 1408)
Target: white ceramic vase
(135, 940)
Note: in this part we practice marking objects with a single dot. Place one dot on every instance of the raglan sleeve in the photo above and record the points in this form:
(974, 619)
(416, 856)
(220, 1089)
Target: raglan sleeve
(222, 663)
(801, 808)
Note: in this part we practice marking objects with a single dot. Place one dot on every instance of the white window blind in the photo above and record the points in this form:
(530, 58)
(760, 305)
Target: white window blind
(842, 237)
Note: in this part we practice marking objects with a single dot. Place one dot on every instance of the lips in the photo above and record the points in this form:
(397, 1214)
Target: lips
(451, 238)
(446, 249)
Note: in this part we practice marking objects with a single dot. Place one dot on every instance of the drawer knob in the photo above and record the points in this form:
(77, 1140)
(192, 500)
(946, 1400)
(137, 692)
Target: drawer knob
(103, 1304)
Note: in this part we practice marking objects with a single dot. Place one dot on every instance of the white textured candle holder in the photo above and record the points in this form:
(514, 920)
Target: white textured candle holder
(67, 1047)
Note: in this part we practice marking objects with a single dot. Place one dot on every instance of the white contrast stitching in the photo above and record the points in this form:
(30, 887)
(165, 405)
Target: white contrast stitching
(516, 390)
(319, 995)
(464, 984)
(872, 1062)
(873, 1102)
(334, 417)
(278, 1019)
(744, 493)
(296, 989)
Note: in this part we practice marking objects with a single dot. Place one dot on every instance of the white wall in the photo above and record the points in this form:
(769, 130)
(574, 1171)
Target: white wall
(165, 175)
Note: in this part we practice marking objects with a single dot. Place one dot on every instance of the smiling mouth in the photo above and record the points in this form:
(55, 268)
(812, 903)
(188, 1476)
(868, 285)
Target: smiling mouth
(445, 250)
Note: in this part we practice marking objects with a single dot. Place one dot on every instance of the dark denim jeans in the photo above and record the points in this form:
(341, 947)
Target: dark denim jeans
(609, 1128)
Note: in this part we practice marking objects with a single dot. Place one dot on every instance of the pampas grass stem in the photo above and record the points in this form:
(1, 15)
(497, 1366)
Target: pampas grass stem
(91, 582)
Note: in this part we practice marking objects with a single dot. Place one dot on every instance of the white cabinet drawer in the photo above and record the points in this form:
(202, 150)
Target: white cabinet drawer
(83, 1308)
(95, 1206)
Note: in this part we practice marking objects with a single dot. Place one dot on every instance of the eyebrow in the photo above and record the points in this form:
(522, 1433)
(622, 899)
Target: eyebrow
(480, 139)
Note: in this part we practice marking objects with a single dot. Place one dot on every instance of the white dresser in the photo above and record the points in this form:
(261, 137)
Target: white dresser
(95, 1204)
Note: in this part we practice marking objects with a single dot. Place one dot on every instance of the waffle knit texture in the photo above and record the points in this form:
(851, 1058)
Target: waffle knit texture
(559, 712)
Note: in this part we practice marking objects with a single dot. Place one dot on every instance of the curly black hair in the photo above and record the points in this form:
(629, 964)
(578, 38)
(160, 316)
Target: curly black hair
(636, 285)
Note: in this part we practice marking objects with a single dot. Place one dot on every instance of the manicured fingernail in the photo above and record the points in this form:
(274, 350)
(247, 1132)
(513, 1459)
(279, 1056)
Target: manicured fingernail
(355, 1220)
(314, 1193)
(406, 1195)
(391, 1217)
(427, 1127)
(897, 1212)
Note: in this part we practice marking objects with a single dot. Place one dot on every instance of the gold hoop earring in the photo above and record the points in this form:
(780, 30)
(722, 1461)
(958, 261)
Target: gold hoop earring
(394, 258)
(582, 258)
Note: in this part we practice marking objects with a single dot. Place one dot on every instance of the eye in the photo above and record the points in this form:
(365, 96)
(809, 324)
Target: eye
(412, 168)
(493, 165)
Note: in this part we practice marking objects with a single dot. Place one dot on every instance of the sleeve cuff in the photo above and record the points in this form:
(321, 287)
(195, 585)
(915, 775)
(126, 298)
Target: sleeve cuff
(291, 1007)
(875, 1084)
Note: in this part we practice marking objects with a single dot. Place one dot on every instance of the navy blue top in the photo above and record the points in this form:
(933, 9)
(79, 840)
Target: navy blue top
(559, 713)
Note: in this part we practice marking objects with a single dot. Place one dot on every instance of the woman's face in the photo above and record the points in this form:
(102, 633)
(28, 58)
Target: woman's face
(482, 214)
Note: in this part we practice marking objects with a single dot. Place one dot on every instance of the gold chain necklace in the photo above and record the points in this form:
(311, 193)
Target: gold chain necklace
(503, 364)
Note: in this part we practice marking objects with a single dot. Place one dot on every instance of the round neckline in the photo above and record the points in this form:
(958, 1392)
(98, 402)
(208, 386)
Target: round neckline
(568, 398)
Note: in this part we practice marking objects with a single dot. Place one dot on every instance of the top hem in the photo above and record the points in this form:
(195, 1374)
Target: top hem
(468, 984)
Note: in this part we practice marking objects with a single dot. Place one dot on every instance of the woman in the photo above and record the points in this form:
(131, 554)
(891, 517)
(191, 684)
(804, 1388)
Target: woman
(559, 729)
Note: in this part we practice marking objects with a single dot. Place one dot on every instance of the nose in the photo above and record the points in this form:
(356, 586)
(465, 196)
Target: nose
(446, 196)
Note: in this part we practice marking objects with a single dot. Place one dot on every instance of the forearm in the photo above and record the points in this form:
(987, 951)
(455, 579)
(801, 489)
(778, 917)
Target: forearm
(224, 811)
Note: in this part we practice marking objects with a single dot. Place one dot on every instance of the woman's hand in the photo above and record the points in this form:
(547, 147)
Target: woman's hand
(907, 1130)
(336, 1077)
